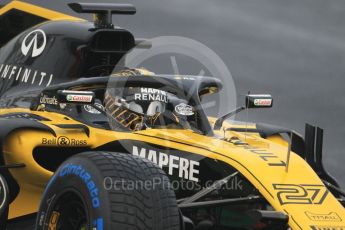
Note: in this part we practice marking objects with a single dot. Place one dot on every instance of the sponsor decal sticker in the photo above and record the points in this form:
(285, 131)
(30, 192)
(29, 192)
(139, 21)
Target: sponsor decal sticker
(269, 157)
(36, 41)
(324, 227)
(98, 224)
(184, 109)
(54, 218)
(332, 217)
(48, 100)
(150, 94)
(188, 78)
(90, 109)
(63, 141)
(79, 98)
(262, 102)
(25, 75)
(183, 167)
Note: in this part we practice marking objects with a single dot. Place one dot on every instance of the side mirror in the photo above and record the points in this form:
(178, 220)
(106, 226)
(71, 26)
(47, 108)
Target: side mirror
(259, 101)
(252, 101)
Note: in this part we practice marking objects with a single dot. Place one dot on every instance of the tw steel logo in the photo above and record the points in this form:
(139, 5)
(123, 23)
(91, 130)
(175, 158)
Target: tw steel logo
(331, 217)
(36, 41)
(325, 227)
(300, 194)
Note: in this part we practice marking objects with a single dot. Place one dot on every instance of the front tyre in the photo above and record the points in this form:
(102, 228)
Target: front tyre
(4, 202)
(102, 190)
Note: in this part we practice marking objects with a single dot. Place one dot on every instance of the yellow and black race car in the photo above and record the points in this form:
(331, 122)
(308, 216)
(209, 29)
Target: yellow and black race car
(83, 147)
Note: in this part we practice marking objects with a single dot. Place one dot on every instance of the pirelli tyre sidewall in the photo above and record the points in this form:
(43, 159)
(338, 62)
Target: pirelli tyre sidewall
(4, 200)
(79, 182)
(80, 178)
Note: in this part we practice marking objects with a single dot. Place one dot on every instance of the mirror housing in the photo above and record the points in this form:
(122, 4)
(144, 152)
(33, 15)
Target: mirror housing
(259, 101)
(252, 101)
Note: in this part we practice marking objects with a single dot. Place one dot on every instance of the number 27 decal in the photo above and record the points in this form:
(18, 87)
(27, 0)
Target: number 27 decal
(300, 194)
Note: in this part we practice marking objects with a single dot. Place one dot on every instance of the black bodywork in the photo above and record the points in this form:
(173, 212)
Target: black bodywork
(73, 50)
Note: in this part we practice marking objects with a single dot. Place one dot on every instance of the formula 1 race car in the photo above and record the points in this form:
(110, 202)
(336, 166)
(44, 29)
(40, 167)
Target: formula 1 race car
(84, 146)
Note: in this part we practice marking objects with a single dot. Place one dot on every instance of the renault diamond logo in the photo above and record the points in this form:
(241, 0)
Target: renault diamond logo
(36, 41)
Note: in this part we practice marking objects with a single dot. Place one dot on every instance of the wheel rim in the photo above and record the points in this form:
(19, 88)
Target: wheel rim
(68, 212)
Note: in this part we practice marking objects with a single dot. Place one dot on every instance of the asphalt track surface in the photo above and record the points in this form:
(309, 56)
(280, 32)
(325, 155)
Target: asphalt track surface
(293, 49)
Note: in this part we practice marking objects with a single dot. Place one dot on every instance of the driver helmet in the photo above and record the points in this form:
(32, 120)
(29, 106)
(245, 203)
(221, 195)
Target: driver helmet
(135, 108)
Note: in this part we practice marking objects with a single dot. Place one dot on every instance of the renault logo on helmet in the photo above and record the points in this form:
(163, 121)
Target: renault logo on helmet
(36, 41)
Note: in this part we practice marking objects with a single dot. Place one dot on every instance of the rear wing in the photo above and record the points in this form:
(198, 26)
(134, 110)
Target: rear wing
(17, 16)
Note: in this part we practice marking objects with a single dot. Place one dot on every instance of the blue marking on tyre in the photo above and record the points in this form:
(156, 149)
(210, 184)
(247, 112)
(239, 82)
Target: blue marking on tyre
(98, 224)
(51, 181)
(85, 176)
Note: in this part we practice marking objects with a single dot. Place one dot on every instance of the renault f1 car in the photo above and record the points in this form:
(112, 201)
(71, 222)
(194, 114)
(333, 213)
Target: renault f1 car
(83, 147)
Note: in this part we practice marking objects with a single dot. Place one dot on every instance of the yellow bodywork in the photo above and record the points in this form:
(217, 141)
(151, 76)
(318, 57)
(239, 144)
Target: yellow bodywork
(296, 192)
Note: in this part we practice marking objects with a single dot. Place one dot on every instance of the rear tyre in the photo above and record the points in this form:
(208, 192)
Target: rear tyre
(102, 190)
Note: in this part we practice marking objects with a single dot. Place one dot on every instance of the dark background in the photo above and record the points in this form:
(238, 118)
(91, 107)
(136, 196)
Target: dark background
(293, 49)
